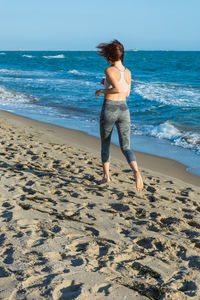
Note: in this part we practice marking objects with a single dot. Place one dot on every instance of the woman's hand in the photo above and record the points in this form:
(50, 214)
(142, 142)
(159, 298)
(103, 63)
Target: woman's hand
(102, 81)
(98, 93)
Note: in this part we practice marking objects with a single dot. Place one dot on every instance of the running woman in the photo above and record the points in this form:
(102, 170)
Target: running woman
(115, 110)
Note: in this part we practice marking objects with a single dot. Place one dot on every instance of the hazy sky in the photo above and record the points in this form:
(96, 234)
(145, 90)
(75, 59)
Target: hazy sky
(82, 24)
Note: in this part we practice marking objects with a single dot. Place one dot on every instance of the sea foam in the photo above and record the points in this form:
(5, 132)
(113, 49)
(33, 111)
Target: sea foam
(170, 94)
(168, 131)
(29, 56)
(8, 95)
(75, 72)
(31, 73)
(54, 56)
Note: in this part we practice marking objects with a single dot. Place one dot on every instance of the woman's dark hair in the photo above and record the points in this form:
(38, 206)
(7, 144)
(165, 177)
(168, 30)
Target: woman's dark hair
(111, 51)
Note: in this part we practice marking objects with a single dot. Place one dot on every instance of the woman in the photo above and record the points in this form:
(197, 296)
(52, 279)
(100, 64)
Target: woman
(114, 110)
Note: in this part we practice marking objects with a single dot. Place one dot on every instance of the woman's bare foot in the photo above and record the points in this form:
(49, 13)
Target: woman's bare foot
(104, 180)
(139, 181)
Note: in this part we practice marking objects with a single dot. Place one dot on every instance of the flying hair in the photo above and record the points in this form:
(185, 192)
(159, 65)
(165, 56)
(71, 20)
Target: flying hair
(112, 52)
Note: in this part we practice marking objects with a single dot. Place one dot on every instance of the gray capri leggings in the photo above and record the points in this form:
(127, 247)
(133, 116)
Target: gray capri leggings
(115, 112)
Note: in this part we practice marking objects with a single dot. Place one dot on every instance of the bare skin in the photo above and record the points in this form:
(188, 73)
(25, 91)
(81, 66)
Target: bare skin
(134, 167)
(113, 76)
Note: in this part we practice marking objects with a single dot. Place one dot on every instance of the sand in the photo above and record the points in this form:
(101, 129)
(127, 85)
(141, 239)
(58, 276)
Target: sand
(64, 236)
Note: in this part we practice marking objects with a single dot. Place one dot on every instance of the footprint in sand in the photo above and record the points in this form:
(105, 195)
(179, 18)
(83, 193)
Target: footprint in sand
(140, 213)
(118, 195)
(41, 260)
(67, 290)
(119, 207)
(7, 216)
(151, 189)
(7, 205)
(92, 230)
(187, 210)
(2, 239)
(30, 183)
(194, 262)
(3, 272)
(39, 283)
(145, 243)
(188, 216)
(104, 289)
(82, 247)
(153, 226)
(18, 235)
(77, 262)
(170, 221)
(189, 288)
(182, 199)
(152, 198)
(29, 191)
(87, 216)
(9, 253)
(194, 224)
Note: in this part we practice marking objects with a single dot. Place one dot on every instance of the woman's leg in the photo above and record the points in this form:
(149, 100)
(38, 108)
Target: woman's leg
(138, 177)
(106, 169)
(123, 128)
(106, 127)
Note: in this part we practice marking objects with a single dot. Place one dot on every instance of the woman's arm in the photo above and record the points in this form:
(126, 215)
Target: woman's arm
(111, 78)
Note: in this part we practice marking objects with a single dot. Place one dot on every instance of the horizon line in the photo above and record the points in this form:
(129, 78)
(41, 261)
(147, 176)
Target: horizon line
(81, 50)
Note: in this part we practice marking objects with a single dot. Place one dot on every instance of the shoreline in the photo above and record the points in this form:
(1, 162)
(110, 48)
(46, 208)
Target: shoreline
(80, 139)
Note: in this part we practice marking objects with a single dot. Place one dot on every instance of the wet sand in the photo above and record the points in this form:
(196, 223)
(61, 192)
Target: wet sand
(63, 236)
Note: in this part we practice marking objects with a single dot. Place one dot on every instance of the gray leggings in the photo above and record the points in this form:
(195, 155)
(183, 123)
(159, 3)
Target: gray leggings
(115, 112)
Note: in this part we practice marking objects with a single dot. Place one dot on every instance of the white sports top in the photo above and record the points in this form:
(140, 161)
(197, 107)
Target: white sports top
(123, 84)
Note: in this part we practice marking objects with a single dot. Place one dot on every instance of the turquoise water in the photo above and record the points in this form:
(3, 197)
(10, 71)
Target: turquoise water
(58, 87)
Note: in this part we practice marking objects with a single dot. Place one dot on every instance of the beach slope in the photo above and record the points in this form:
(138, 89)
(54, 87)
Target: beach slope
(64, 236)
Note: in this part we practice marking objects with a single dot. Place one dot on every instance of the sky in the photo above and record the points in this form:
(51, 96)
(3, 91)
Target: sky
(83, 24)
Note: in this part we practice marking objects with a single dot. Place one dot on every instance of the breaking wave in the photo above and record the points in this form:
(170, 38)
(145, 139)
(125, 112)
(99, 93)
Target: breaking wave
(54, 56)
(170, 94)
(168, 131)
(8, 95)
(26, 55)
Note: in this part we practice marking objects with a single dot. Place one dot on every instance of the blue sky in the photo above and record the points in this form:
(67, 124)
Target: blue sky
(82, 24)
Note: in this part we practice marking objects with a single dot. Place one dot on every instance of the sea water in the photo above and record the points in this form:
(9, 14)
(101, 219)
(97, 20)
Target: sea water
(58, 87)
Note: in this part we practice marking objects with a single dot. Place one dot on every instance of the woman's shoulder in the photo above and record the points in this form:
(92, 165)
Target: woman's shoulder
(128, 71)
(109, 69)
(112, 68)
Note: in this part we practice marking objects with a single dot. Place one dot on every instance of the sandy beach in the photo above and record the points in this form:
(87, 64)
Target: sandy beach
(64, 236)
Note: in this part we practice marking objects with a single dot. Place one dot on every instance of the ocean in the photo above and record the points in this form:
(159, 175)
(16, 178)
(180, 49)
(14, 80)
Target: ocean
(58, 87)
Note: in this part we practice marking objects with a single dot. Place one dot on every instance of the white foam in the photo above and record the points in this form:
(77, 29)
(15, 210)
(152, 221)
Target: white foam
(8, 71)
(31, 73)
(174, 135)
(2, 53)
(170, 94)
(163, 131)
(75, 72)
(29, 56)
(54, 56)
(55, 84)
(7, 96)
